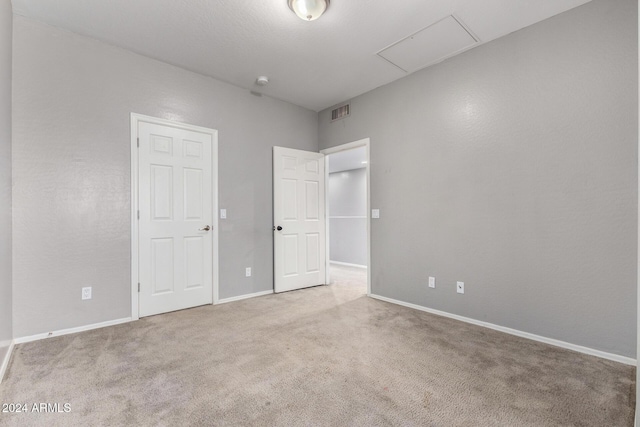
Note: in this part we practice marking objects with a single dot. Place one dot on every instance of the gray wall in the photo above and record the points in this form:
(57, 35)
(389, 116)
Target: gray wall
(5, 178)
(72, 100)
(637, 419)
(347, 201)
(513, 167)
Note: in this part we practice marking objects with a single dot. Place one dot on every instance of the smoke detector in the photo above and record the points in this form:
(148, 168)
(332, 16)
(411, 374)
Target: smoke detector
(262, 81)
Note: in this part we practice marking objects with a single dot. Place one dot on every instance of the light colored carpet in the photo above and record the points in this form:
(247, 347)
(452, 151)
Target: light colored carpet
(321, 356)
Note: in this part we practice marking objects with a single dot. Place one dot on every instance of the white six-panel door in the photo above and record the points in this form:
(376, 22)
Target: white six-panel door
(299, 219)
(175, 218)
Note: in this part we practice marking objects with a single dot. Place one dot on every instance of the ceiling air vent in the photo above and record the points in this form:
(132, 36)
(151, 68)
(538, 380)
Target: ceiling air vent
(340, 113)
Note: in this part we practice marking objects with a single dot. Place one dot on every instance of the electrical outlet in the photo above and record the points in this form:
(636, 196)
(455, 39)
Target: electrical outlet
(460, 287)
(86, 293)
(223, 214)
(432, 282)
(375, 213)
(247, 272)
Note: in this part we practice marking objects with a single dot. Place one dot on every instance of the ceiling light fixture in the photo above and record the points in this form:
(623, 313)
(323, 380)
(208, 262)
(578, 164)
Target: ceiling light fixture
(309, 10)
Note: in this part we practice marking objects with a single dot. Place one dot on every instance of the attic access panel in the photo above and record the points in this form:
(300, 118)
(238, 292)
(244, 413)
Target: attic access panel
(434, 43)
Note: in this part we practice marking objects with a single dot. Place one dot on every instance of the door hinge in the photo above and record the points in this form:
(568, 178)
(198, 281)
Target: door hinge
(138, 142)
(138, 286)
(138, 214)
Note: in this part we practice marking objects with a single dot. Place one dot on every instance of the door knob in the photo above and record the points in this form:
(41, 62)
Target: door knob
(278, 228)
(205, 228)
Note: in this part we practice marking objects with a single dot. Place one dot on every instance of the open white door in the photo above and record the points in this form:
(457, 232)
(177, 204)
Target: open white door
(299, 219)
(176, 217)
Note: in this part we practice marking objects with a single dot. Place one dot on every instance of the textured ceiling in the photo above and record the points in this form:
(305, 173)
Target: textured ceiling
(312, 64)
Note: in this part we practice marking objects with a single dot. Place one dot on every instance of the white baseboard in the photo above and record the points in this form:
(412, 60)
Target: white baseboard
(5, 363)
(346, 264)
(72, 330)
(247, 296)
(551, 341)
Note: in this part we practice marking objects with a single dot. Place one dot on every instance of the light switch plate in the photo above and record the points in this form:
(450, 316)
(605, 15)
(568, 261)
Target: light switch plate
(432, 282)
(375, 213)
(223, 214)
(247, 272)
(86, 293)
(460, 287)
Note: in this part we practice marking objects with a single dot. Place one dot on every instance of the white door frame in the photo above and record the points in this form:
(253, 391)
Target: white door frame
(349, 146)
(135, 120)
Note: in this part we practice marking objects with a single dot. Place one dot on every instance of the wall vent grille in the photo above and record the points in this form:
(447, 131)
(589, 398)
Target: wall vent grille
(340, 112)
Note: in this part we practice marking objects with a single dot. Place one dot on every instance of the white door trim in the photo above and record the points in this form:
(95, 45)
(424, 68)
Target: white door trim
(135, 120)
(355, 144)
